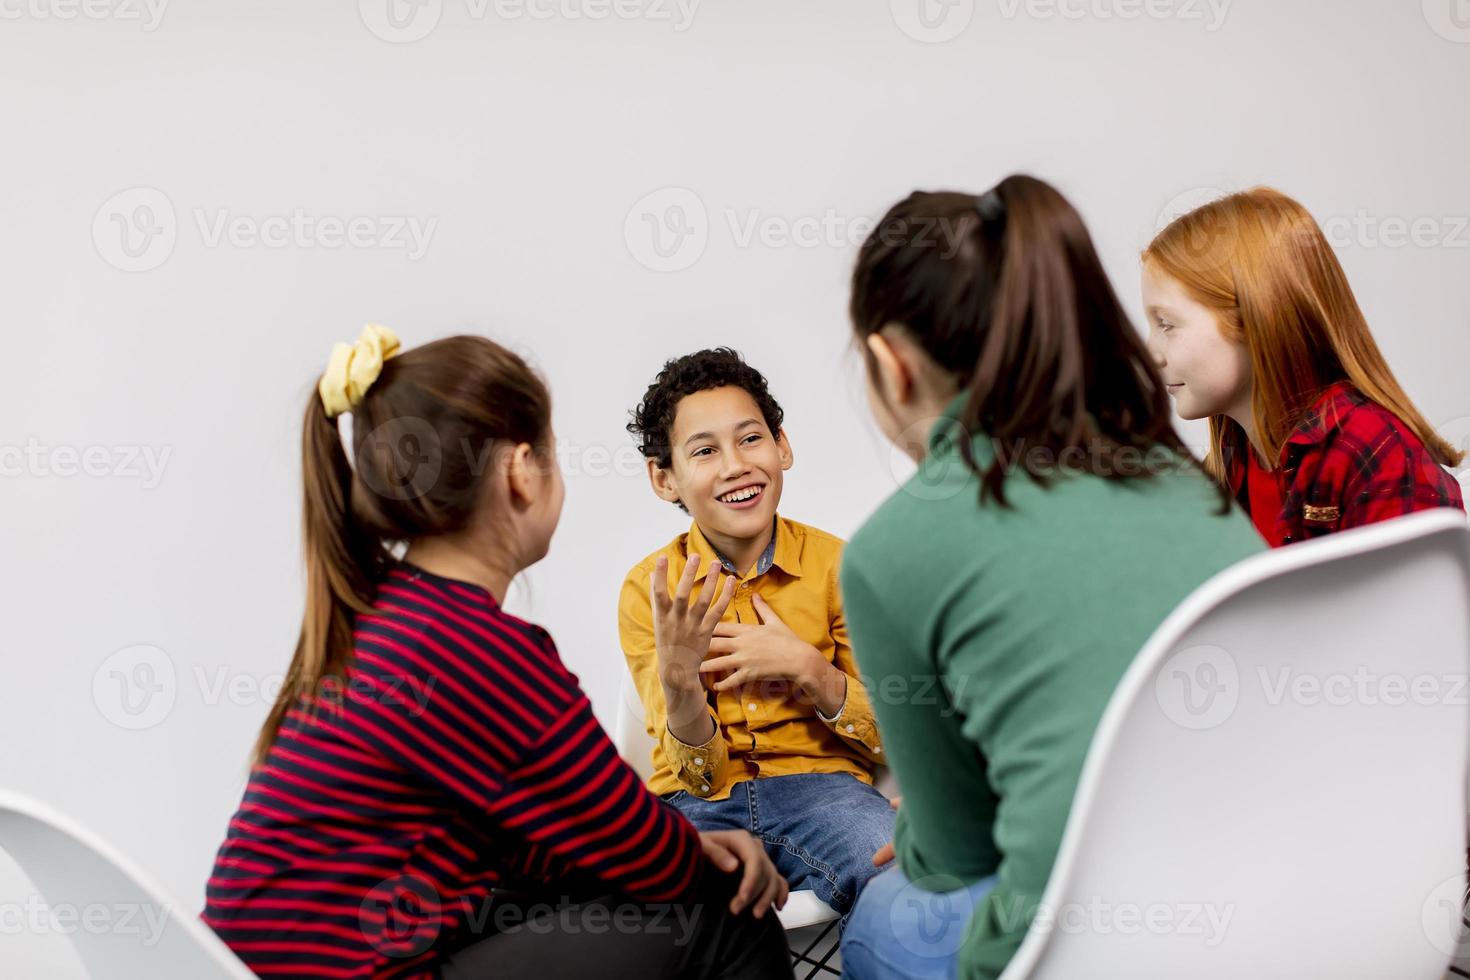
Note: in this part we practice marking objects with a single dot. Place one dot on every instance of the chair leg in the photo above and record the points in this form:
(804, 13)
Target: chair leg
(805, 955)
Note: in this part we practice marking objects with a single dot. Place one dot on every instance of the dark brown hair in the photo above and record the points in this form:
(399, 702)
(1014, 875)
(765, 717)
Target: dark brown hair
(1006, 293)
(422, 439)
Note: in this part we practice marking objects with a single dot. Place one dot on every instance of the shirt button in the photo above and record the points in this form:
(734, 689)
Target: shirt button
(878, 750)
(851, 729)
(704, 788)
(752, 706)
(699, 762)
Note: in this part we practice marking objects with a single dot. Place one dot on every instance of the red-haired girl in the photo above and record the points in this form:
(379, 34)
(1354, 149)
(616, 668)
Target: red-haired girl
(1253, 326)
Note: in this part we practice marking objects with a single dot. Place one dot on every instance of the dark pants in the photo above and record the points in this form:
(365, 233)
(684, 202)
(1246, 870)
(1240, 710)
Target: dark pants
(614, 938)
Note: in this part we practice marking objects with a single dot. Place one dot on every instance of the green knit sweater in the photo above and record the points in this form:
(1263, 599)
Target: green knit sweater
(991, 640)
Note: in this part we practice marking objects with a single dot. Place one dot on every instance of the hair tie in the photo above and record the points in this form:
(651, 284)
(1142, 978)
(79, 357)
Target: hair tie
(990, 206)
(353, 368)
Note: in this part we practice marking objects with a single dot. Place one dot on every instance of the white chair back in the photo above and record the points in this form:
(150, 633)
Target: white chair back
(1278, 785)
(123, 926)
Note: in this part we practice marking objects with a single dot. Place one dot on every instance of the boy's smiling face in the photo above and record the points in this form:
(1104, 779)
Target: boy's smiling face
(726, 464)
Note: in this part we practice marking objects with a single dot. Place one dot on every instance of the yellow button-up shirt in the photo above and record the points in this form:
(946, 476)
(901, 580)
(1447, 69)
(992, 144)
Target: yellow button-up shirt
(768, 728)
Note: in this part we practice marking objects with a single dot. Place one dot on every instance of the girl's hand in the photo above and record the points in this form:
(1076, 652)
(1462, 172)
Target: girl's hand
(885, 853)
(761, 886)
(682, 629)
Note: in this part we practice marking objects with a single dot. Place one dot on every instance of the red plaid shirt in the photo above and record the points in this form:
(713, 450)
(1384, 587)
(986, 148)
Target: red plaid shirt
(1350, 462)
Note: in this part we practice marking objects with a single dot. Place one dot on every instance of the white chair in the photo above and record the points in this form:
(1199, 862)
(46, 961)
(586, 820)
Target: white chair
(803, 907)
(126, 927)
(1288, 756)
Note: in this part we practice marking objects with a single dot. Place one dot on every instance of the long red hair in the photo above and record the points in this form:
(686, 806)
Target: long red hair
(1259, 260)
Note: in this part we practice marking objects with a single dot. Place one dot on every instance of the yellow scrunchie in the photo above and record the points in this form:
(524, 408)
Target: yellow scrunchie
(354, 367)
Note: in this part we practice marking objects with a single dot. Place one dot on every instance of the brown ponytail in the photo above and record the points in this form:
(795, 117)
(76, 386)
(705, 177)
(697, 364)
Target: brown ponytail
(423, 438)
(1006, 293)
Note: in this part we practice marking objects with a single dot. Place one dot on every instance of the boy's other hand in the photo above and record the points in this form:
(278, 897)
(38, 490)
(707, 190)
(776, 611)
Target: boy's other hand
(768, 651)
(761, 885)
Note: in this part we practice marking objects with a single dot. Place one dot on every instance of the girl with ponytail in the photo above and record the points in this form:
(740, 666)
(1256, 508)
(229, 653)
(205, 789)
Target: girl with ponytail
(1253, 326)
(1054, 521)
(431, 795)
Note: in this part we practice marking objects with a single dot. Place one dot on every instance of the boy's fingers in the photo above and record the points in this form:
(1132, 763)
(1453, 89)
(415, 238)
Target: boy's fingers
(717, 610)
(734, 680)
(707, 592)
(658, 586)
(721, 644)
(883, 855)
(764, 608)
(686, 581)
(732, 629)
(718, 663)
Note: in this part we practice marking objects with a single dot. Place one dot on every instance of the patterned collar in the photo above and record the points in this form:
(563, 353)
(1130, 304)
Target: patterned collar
(1327, 411)
(762, 564)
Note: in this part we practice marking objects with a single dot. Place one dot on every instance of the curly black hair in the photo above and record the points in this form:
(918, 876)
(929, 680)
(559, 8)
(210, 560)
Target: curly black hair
(653, 420)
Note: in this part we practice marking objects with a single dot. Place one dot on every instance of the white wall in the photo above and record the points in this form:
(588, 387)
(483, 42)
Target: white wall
(530, 143)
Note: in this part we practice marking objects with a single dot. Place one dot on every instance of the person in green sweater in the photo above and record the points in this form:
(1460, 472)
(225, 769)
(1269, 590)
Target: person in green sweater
(995, 600)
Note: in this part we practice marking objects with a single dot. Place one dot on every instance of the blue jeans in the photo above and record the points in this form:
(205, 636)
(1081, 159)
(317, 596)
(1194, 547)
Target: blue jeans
(900, 931)
(820, 829)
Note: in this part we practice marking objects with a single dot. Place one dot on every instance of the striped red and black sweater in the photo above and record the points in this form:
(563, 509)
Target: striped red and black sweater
(459, 755)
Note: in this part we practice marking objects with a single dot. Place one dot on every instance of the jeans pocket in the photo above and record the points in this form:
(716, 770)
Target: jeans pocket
(674, 797)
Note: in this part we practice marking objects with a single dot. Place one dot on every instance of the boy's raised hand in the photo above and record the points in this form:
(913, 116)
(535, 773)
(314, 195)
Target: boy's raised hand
(681, 628)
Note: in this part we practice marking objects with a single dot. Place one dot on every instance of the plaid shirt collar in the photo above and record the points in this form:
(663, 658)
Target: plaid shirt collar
(1326, 414)
(1348, 462)
(1319, 422)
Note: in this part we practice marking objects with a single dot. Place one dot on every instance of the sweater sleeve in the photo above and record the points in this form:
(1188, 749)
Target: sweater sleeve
(923, 735)
(579, 800)
(499, 724)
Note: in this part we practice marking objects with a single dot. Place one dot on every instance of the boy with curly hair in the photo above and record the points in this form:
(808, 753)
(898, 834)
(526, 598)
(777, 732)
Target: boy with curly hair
(749, 687)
